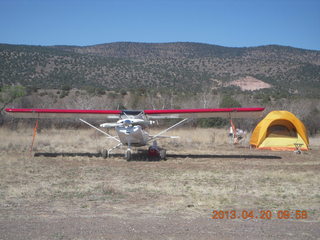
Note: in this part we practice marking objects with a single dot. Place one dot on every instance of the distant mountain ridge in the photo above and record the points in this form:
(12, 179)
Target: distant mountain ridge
(188, 50)
(182, 66)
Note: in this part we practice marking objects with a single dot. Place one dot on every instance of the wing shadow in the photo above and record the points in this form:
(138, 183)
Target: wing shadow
(67, 154)
(221, 156)
(143, 157)
(136, 157)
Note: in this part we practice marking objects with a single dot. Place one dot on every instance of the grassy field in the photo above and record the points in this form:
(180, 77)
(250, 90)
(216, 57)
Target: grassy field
(203, 173)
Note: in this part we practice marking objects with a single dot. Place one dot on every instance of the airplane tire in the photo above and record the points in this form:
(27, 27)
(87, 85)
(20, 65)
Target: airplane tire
(128, 155)
(104, 153)
(163, 154)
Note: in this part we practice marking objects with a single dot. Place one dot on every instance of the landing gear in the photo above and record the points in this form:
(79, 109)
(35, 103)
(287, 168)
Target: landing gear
(156, 153)
(163, 154)
(104, 153)
(128, 155)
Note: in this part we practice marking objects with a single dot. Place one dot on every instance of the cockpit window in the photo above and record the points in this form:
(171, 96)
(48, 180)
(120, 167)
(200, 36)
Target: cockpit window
(132, 114)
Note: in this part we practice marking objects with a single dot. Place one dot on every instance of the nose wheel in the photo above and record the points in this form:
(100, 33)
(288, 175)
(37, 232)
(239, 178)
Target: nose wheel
(128, 155)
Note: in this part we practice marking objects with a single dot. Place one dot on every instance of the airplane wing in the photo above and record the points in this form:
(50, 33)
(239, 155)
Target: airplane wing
(62, 113)
(151, 114)
(205, 113)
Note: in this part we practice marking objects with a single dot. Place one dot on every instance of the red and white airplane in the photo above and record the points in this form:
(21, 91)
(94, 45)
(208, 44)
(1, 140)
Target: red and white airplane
(131, 124)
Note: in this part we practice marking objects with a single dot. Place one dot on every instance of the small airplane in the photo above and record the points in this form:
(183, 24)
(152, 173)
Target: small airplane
(131, 125)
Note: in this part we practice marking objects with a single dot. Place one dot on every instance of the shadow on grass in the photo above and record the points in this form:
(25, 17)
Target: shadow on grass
(221, 156)
(67, 154)
(144, 157)
(135, 156)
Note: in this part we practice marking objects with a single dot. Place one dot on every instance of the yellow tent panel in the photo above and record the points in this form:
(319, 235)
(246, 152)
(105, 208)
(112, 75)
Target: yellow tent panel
(280, 130)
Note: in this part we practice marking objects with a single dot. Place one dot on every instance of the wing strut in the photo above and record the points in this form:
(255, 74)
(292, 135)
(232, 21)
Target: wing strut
(109, 136)
(164, 131)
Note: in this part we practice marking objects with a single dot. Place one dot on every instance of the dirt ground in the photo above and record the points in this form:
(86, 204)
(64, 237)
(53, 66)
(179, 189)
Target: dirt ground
(67, 191)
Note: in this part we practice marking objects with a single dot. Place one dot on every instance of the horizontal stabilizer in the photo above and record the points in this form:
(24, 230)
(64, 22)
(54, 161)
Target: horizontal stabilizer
(110, 125)
(165, 137)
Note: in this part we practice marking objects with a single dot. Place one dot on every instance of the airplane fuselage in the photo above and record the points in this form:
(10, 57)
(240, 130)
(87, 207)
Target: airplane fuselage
(132, 135)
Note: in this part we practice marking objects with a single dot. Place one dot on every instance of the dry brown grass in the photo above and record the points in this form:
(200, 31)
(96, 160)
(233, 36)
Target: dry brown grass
(205, 174)
(315, 142)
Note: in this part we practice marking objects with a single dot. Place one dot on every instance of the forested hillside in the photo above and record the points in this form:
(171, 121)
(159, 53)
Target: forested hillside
(168, 75)
(182, 67)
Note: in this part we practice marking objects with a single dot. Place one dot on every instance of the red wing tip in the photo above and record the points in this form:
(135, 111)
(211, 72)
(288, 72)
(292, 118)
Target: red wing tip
(9, 110)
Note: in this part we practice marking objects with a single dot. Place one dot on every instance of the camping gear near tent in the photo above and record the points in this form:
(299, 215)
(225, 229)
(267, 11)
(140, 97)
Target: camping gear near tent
(280, 130)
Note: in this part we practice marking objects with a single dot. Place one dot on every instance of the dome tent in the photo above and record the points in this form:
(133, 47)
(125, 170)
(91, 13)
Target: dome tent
(280, 130)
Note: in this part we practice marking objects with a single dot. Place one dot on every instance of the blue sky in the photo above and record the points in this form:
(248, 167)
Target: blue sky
(233, 23)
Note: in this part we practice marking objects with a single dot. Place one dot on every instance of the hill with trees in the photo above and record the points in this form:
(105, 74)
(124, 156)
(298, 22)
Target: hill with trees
(126, 75)
(187, 67)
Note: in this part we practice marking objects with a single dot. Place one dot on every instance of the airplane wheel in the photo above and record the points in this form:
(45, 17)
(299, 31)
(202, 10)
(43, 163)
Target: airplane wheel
(104, 153)
(163, 154)
(128, 155)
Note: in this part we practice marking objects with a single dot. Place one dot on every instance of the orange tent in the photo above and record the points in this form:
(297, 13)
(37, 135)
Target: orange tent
(280, 130)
